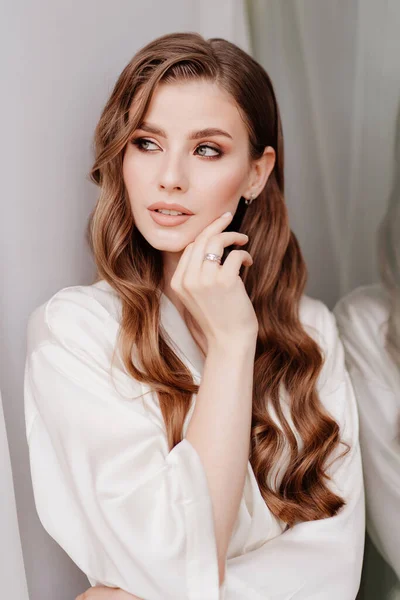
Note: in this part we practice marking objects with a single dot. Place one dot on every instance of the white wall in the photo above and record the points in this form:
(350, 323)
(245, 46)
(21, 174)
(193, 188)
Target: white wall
(12, 574)
(63, 60)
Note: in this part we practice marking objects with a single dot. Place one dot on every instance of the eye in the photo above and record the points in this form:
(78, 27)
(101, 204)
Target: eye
(203, 147)
(143, 144)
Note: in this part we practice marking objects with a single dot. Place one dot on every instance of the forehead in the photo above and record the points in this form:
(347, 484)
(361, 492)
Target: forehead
(187, 106)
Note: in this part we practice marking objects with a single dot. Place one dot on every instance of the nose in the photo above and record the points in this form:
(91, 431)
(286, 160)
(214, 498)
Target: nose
(172, 175)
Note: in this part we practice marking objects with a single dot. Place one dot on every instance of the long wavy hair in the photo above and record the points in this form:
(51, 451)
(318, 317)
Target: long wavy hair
(286, 356)
(389, 256)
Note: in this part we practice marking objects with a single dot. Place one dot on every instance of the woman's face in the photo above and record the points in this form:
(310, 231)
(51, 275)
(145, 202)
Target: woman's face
(172, 159)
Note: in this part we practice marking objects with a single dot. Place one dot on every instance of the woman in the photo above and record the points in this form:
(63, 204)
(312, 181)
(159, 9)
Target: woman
(369, 323)
(219, 456)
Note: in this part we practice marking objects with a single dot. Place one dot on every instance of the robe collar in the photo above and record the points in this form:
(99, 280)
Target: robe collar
(178, 332)
(172, 323)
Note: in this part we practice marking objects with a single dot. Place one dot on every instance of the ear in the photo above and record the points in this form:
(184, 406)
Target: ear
(260, 170)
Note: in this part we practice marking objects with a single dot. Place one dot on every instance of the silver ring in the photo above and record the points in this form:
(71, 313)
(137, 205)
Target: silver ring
(212, 257)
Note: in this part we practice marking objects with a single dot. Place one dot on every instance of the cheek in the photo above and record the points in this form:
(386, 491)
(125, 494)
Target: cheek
(139, 181)
(222, 187)
(134, 174)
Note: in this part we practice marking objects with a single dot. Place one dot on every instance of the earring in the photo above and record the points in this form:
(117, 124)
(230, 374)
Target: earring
(248, 201)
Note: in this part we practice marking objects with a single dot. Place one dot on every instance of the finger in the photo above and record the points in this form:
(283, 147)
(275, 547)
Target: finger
(226, 238)
(215, 245)
(233, 262)
(186, 267)
(177, 277)
(230, 237)
(216, 226)
(202, 239)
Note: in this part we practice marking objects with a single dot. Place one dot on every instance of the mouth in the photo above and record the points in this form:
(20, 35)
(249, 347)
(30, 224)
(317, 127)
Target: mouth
(168, 220)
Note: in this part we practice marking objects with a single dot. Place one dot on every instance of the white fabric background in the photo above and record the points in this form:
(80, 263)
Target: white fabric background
(335, 67)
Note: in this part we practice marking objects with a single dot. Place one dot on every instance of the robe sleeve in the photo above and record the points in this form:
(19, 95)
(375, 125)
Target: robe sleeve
(322, 558)
(130, 513)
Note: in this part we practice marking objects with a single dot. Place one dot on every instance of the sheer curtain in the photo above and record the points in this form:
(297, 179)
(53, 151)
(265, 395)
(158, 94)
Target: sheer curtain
(336, 70)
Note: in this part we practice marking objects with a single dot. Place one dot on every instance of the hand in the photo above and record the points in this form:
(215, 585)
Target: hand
(100, 592)
(214, 294)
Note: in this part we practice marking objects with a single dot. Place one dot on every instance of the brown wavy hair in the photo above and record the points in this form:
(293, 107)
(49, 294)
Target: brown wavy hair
(285, 354)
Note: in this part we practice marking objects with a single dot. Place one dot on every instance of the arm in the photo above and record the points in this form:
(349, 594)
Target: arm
(219, 430)
(129, 513)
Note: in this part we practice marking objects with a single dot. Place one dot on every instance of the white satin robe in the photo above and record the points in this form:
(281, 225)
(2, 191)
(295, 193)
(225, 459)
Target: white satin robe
(133, 515)
(362, 317)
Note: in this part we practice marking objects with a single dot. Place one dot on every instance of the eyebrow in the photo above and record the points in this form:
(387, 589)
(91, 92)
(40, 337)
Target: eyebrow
(194, 135)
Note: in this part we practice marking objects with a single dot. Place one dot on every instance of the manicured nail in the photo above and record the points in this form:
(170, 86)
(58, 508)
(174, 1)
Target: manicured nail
(226, 214)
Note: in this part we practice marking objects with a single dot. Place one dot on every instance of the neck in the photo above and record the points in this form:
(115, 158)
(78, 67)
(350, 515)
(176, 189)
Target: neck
(170, 262)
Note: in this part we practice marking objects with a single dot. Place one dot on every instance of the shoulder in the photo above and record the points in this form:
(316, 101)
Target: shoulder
(366, 306)
(74, 314)
(320, 323)
(318, 320)
(362, 317)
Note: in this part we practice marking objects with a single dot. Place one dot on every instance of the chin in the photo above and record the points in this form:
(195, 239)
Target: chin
(171, 245)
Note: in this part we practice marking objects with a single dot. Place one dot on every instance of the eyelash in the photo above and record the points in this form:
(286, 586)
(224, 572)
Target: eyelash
(138, 141)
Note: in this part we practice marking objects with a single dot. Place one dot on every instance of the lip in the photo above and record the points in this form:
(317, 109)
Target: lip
(168, 220)
(164, 205)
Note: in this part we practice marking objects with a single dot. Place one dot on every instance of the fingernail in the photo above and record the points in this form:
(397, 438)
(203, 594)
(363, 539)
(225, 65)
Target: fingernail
(226, 214)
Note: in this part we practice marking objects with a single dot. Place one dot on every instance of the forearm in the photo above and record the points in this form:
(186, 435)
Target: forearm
(219, 430)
